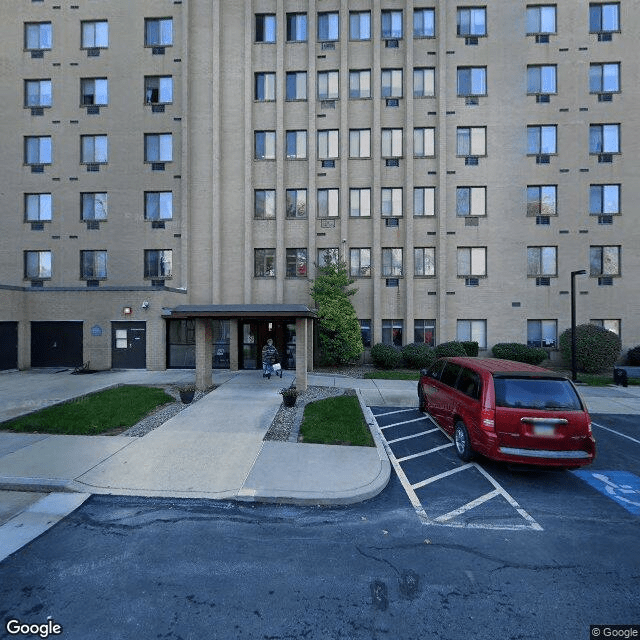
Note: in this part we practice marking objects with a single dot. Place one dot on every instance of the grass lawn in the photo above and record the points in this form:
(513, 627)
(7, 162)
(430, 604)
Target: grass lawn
(336, 421)
(94, 413)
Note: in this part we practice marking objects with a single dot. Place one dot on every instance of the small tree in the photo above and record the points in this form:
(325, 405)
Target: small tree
(340, 335)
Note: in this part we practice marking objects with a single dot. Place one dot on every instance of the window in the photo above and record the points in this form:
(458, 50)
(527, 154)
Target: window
(37, 265)
(360, 262)
(604, 199)
(93, 150)
(158, 32)
(424, 261)
(94, 206)
(391, 202)
(328, 27)
(471, 201)
(296, 85)
(392, 262)
(392, 83)
(296, 203)
(391, 24)
(604, 17)
(264, 261)
(37, 150)
(541, 79)
(158, 263)
(296, 145)
(472, 21)
(95, 34)
(604, 77)
(541, 19)
(424, 82)
(471, 141)
(360, 84)
(158, 147)
(392, 143)
(37, 36)
(604, 138)
(541, 139)
(542, 261)
(265, 145)
(296, 27)
(264, 204)
(296, 261)
(265, 27)
(542, 200)
(424, 201)
(360, 202)
(328, 144)
(328, 85)
(93, 265)
(472, 261)
(604, 261)
(424, 23)
(328, 200)
(37, 93)
(328, 256)
(94, 92)
(392, 332)
(542, 333)
(158, 89)
(158, 205)
(360, 143)
(472, 81)
(365, 332)
(609, 325)
(38, 207)
(472, 330)
(360, 25)
(265, 87)
(424, 332)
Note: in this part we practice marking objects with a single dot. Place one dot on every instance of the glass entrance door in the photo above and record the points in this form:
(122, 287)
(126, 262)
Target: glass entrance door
(249, 346)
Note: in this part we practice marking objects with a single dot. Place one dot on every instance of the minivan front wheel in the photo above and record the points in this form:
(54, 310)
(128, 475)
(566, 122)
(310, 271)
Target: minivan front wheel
(463, 442)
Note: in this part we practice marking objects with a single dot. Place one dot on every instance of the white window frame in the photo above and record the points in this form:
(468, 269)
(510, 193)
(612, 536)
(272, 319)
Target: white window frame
(158, 147)
(38, 265)
(604, 138)
(471, 141)
(392, 262)
(542, 139)
(94, 206)
(264, 86)
(472, 262)
(328, 144)
(41, 146)
(38, 207)
(363, 78)
(472, 330)
(424, 142)
(542, 262)
(360, 202)
(471, 201)
(392, 143)
(359, 25)
(542, 200)
(38, 93)
(328, 203)
(424, 82)
(299, 152)
(424, 262)
(360, 262)
(606, 197)
(301, 204)
(424, 201)
(94, 149)
(38, 36)
(264, 204)
(541, 19)
(158, 32)
(329, 85)
(424, 22)
(391, 202)
(391, 83)
(299, 85)
(605, 260)
(94, 92)
(158, 205)
(93, 264)
(269, 143)
(95, 34)
(359, 143)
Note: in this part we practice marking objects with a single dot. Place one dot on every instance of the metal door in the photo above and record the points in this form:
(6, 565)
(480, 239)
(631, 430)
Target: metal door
(8, 345)
(56, 344)
(128, 345)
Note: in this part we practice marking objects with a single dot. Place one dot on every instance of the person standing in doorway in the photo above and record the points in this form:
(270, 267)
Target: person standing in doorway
(269, 358)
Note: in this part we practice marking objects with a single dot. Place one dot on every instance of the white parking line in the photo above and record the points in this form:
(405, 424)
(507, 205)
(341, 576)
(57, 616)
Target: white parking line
(426, 453)
(413, 435)
(396, 424)
(624, 435)
(467, 507)
(424, 483)
(390, 413)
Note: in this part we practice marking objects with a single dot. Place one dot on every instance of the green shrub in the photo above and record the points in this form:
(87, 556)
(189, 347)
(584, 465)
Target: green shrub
(418, 355)
(450, 349)
(633, 356)
(519, 352)
(386, 356)
(597, 349)
(471, 348)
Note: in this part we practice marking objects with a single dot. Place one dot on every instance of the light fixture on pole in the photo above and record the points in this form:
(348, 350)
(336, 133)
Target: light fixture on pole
(580, 272)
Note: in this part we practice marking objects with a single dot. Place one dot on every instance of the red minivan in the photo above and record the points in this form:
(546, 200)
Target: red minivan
(508, 411)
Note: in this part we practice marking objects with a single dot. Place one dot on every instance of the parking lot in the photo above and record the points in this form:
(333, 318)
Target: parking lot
(485, 494)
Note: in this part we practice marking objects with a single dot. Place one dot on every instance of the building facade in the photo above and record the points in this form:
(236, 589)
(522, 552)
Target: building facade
(462, 159)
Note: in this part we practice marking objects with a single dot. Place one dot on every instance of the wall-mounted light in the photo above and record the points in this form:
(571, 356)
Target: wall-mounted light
(145, 304)
(126, 311)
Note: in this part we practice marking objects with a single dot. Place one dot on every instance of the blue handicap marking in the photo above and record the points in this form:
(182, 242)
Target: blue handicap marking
(621, 486)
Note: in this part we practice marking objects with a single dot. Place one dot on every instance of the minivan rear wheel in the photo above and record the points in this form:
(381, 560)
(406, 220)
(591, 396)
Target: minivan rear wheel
(462, 442)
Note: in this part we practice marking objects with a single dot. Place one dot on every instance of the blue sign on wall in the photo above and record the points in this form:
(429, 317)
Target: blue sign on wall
(96, 330)
(621, 486)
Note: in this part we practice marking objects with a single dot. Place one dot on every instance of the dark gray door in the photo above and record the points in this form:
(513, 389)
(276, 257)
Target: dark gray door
(56, 344)
(8, 345)
(128, 345)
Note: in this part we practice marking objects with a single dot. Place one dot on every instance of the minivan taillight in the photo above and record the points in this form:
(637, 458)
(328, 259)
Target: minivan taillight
(488, 419)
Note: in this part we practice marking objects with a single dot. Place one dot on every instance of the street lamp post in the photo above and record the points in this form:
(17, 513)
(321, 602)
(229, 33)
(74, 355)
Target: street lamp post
(580, 272)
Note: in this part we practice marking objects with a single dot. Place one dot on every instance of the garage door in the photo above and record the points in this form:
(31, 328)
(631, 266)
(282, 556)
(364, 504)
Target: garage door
(8, 345)
(56, 344)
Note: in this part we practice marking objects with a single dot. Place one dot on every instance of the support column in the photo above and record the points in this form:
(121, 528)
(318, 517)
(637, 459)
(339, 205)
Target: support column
(204, 369)
(301, 354)
(233, 344)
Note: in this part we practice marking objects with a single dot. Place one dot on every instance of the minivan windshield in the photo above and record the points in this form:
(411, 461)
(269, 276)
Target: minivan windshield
(548, 394)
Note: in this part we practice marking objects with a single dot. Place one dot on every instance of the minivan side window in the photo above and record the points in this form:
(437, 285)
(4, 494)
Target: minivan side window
(469, 383)
(450, 374)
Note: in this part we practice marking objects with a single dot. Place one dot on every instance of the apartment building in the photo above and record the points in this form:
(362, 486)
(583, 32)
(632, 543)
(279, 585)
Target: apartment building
(169, 165)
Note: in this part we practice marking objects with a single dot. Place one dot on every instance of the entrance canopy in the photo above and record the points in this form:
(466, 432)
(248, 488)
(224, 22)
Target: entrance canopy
(238, 315)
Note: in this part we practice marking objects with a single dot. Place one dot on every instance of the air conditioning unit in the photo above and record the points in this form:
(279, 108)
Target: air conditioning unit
(328, 46)
(470, 221)
(472, 100)
(37, 54)
(543, 97)
(544, 220)
(93, 225)
(605, 37)
(37, 168)
(37, 111)
(93, 283)
(605, 158)
(605, 97)
(328, 164)
(392, 282)
(157, 108)
(543, 282)
(605, 281)
(93, 110)
(472, 282)
(157, 166)
(37, 226)
(327, 104)
(157, 224)
(392, 43)
(157, 51)
(391, 222)
(392, 162)
(393, 102)
(93, 167)
(157, 283)
(471, 40)
(605, 219)
(471, 161)
(93, 53)
(542, 38)
(543, 159)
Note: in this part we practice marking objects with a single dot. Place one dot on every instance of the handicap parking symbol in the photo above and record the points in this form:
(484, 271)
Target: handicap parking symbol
(621, 486)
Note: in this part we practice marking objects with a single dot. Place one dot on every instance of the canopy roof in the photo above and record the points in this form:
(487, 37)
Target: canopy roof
(228, 311)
